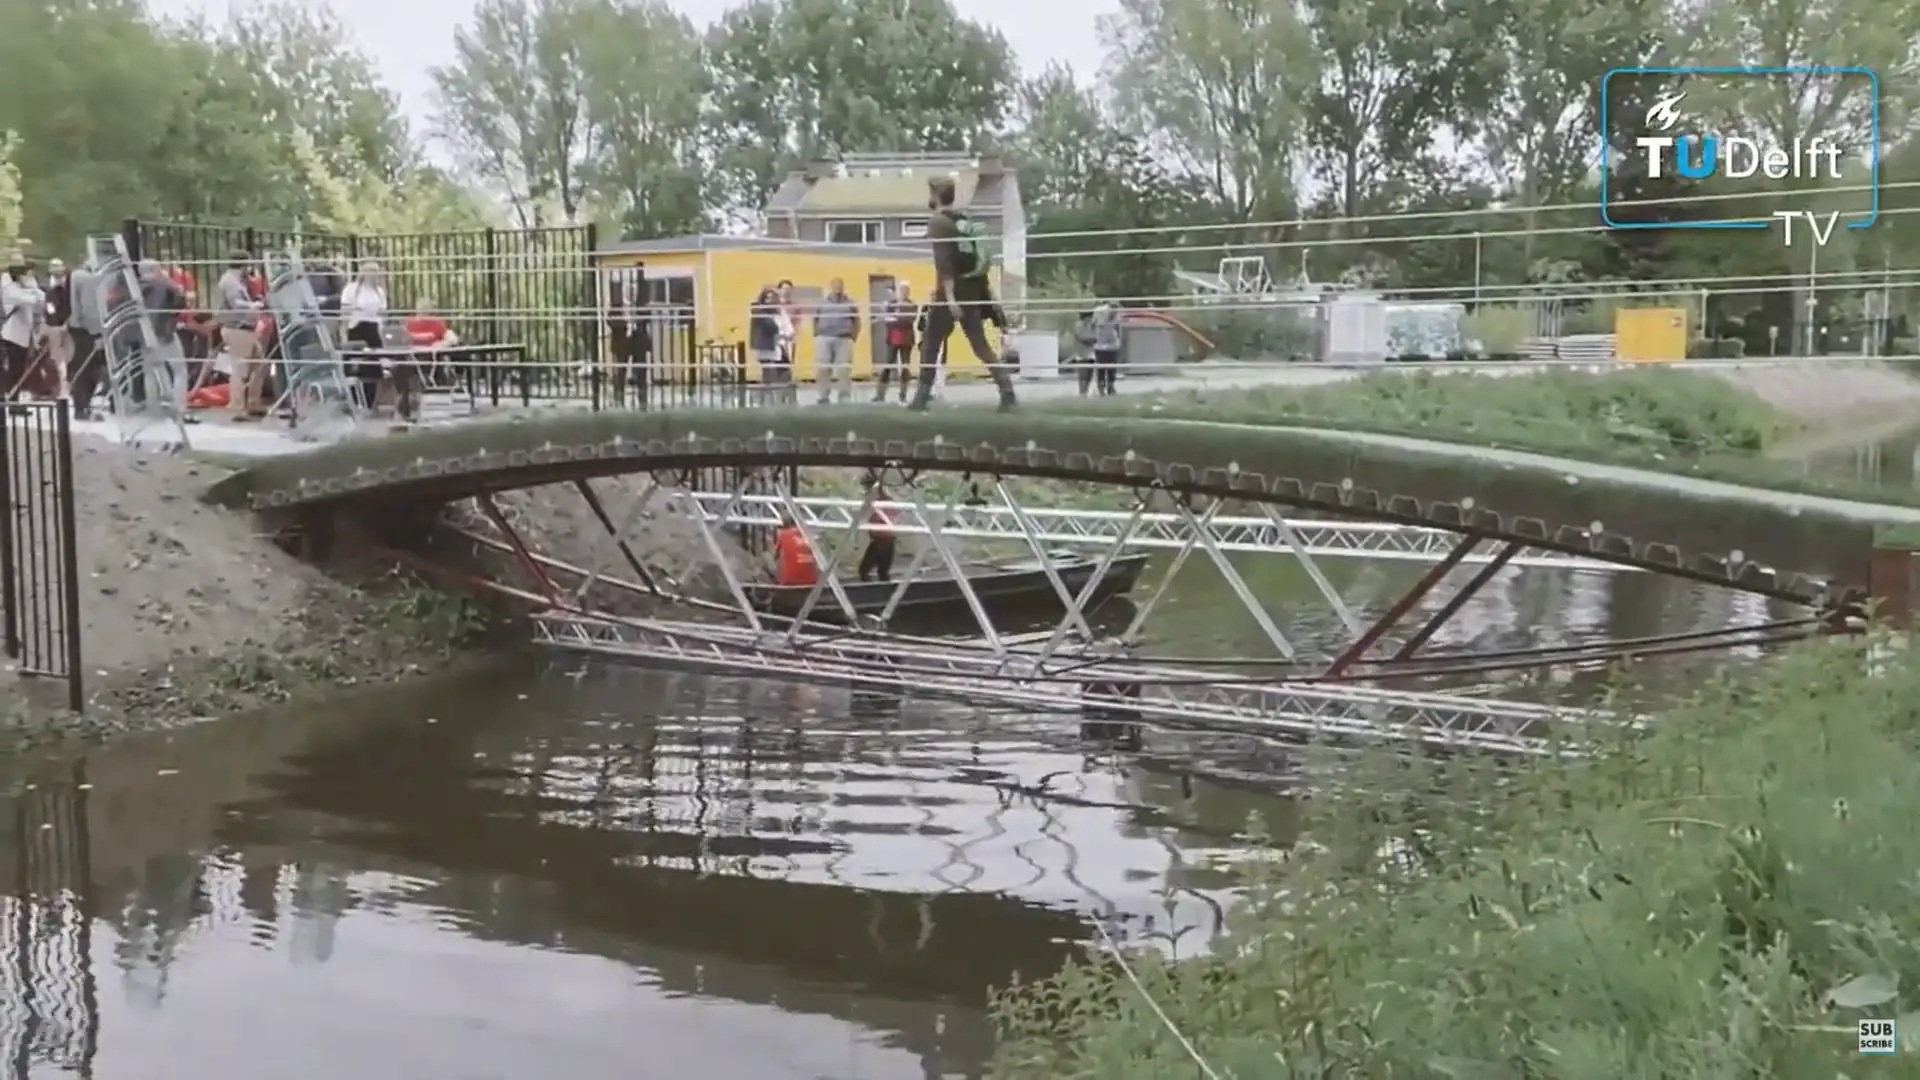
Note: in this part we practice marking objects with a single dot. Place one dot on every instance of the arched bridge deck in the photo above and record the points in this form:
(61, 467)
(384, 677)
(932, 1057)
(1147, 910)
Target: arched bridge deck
(1787, 545)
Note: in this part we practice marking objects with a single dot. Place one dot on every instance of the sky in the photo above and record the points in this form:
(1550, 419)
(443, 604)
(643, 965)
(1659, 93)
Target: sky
(407, 37)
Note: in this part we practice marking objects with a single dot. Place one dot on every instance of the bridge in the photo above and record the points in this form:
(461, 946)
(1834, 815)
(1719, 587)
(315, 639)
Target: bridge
(1192, 485)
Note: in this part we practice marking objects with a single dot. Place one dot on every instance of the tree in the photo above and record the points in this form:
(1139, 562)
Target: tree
(513, 104)
(1394, 73)
(1543, 126)
(1221, 88)
(644, 85)
(12, 203)
(1062, 137)
(795, 80)
(308, 75)
(368, 204)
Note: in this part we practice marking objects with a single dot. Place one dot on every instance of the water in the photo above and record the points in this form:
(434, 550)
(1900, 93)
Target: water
(598, 872)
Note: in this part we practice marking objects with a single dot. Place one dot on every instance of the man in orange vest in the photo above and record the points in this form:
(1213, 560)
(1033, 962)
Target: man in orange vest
(793, 558)
(876, 563)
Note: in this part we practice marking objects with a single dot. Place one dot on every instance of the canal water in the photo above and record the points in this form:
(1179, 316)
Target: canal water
(568, 868)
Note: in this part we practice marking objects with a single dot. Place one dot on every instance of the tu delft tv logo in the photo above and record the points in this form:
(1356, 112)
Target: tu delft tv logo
(1738, 157)
(1670, 146)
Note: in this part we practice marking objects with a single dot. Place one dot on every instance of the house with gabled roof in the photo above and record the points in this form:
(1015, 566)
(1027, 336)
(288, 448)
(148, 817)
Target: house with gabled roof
(880, 200)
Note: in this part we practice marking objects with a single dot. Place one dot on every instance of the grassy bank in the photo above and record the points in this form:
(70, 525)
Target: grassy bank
(1724, 898)
(1671, 421)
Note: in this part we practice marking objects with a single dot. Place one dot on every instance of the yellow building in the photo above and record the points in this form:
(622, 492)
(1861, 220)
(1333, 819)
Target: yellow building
(710, 283)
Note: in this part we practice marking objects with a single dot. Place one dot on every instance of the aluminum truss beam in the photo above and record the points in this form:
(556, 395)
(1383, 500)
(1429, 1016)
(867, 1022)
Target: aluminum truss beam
(1160, 697)
(1319, 538)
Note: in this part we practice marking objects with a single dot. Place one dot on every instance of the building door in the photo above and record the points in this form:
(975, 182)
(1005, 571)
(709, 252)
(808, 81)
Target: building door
(879, 292)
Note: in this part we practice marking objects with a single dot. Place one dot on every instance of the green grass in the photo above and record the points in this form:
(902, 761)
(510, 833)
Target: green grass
(1667, 421)
(1721, 899)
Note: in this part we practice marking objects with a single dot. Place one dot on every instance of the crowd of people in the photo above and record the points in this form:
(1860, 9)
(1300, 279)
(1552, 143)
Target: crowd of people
(234, 358)
(231, 355)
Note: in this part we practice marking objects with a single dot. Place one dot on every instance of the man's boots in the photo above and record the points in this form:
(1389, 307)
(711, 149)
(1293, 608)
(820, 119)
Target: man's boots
(1004, 383)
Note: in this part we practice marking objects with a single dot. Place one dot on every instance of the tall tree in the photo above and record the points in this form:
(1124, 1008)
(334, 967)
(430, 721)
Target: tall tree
(513, 104)
(799, 79)
(1543, 128)
(1395, 73)
(1219, 87)
(309, 75)
(118, 116)
(1062, 137)
(645, 84)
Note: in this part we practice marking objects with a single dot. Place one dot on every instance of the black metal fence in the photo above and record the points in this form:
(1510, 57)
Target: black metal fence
(39, 545)
(535, 288)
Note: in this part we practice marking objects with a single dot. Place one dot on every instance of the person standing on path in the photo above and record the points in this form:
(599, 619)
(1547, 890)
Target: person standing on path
(22, 308)
(898, 324)
(763, 338)
(1107, 341)
(961, 295)
(84, 329)
(363, 307)
(239, 315)
(836, 326)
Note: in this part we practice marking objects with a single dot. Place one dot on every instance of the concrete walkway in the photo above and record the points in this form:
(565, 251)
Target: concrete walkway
(217, 434)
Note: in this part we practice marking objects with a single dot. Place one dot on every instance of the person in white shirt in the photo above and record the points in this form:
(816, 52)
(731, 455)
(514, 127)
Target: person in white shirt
(22, 307)
(363, 308)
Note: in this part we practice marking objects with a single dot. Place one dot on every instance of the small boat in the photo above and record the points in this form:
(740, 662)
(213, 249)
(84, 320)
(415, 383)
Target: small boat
(1021, 586)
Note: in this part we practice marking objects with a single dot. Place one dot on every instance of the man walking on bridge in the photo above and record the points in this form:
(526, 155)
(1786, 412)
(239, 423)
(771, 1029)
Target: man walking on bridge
(961, 295)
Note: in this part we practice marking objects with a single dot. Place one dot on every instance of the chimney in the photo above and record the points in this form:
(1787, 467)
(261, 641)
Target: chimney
(990, 165)
(821, 170)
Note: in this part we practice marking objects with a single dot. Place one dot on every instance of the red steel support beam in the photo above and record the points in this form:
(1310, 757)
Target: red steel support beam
(1398, 611)
(1459, 600)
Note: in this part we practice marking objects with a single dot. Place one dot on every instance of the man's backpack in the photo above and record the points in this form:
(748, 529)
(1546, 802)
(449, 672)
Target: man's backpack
(978, 248)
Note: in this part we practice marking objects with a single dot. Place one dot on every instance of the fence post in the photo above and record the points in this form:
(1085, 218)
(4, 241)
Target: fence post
(66, 490)
(595, 351)
(490, 289)
(9, 558)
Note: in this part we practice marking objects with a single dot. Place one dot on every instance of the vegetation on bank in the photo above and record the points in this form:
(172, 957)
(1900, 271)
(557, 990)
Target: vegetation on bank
(1670, 421)
(1724, 897)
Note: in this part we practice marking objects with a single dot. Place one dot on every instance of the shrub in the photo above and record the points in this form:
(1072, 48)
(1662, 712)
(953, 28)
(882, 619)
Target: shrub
(1723, 897)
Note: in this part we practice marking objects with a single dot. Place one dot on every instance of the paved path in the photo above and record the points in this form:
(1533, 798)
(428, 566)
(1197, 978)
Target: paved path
(218, 435)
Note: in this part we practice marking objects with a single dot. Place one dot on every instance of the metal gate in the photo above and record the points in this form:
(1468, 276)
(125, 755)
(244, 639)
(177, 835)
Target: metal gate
(39, 550)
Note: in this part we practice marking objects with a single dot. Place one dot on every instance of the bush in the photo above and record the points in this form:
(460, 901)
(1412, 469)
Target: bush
(1722, 898)
(1259, 332)
(1906, 346)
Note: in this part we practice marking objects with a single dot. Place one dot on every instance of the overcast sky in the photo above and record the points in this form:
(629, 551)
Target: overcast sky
(407, 37)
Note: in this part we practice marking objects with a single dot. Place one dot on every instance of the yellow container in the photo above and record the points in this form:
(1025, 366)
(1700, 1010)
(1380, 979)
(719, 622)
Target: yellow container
(721, 275)
(1650, 335)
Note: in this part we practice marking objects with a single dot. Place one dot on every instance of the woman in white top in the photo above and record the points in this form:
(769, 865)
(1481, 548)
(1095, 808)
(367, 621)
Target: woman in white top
(363, 307)
(22, 309)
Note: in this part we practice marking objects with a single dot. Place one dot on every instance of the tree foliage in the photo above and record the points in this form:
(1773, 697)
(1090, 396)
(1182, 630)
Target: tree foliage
(1442, 145)
(795, 80)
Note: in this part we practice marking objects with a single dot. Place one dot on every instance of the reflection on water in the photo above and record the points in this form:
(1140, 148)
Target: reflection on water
(578, 873)
(602, 873)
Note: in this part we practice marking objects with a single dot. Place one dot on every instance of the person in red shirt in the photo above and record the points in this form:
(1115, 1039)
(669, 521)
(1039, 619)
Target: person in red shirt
(876, 563)
(793, 560)
(429, 333)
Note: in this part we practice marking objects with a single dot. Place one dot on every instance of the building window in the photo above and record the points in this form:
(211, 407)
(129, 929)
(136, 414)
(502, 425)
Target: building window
(855, 232)
(913, 230)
